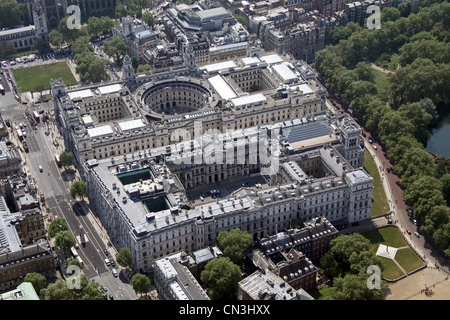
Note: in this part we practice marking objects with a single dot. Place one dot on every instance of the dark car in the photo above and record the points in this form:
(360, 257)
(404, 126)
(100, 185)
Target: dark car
(111, 297)
(355, 224)
(106, 252)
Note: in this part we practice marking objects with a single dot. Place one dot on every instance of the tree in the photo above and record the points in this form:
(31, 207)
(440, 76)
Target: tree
(445, 180)
(56, 226)
(124, 258)
(390, 14)
(419, 118)
(354, 287)
(55, 38)
(81, 45)
(140, 283)
(7, 49)
(90, 67)
(144, 68)
(116, 48)
(241, 20)
(148, 18)
(221, 276)
(64, 240)
(78, 189)
(234, 244)
(10, 14)
(66, 159)
(37, 280)
(69, 35)
(75, 262)
(134, 63)
(404, 8)
(59, 290)
(97, 25)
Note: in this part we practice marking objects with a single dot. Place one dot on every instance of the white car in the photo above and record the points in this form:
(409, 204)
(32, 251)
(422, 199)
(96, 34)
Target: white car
(114, 272)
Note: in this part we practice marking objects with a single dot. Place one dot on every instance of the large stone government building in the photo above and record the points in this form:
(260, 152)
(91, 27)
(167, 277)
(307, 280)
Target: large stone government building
(175, 156)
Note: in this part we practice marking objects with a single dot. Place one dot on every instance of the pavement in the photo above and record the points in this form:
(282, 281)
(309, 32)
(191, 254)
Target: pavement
(413, 287)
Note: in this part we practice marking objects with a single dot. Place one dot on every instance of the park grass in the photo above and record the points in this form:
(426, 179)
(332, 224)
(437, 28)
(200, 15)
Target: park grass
(408, 259)
(389, 236)
(380, 204)
(390, 270)
(28, 79)
(381, 81)
(323, 293)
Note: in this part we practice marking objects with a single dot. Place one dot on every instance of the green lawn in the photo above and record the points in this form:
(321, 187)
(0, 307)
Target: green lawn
(320, 294)
(408, 259)
(381, 80)
(379, 203)
(28, 79)
(390, 236)
(390, 268)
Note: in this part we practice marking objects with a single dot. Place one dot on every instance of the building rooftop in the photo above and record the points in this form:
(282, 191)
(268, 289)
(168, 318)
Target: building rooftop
(24, 291)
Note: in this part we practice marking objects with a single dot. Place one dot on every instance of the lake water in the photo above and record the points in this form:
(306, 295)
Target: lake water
(439, 142)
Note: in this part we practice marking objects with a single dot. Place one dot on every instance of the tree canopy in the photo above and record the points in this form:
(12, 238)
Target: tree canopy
(38, 281)
(64, 240)
(66, 159)
(347, 263)
(78, 189)
(116, 48)
(59, 290)
(56, 226)
(140, 283)
(10, 14)
(401, 112)
(221, 276)
(124, 258)
(234, 243)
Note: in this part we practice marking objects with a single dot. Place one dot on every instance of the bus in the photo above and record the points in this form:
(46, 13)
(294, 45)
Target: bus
(20, 134)
(36, 116)
(2, 90)
(57, 160)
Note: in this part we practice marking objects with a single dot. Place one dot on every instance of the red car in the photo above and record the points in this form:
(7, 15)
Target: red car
(408, 231)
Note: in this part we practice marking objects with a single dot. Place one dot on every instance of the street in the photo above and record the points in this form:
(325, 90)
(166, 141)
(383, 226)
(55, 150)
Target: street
(54, 183)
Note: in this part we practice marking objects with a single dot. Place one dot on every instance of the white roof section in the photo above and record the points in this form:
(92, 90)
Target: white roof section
(250, 61)
(100, 131)
(110, 89)
(222, 87)
(249, 100)
(358, 176)
(285, 73)
(132, 124)
(272, 59)
(81, 94)
(305, 88)
(215, 67)
(87, 120)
